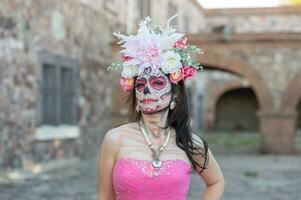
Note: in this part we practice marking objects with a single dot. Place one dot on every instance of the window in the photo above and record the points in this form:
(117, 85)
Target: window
(144, 7)
(49, 95)
(172, 10)
(67, 114)
(58, 91)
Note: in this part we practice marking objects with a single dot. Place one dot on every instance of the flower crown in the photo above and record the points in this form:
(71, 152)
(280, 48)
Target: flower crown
(156, 48)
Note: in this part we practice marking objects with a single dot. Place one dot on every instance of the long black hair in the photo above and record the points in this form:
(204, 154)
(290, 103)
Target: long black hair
(179, 118)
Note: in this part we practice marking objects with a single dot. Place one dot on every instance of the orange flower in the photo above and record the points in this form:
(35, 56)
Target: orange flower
(176, 76)
(127, 83)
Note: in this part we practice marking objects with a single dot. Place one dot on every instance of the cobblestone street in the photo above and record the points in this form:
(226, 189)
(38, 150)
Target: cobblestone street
(247, 177)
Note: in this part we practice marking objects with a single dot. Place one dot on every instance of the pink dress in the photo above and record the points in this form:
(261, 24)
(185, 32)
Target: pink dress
(136, 179)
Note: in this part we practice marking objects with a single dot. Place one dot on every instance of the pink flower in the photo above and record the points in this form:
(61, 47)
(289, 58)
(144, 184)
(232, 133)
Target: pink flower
(127, 83)
(176, 76)
(125, 57)
(145, 49)
(180, 43)
(189, 71)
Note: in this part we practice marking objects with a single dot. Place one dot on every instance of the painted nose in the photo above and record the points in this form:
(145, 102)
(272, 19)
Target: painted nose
(146, 90)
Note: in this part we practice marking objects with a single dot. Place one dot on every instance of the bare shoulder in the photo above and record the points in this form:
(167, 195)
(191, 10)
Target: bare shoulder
(110, 144)
(113, 135)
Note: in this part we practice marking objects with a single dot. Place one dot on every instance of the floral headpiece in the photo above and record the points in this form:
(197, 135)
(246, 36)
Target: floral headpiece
(156, 48)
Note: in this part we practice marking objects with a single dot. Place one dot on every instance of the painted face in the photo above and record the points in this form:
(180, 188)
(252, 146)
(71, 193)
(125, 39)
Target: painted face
(153, 91)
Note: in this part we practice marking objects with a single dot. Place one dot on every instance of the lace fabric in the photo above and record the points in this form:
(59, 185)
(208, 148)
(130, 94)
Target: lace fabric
(136, 179)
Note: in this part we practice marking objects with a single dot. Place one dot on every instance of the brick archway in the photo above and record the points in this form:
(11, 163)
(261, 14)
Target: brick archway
(244, 69)
(276, 128)
(218, 91)
(292, 95)
(279, 127)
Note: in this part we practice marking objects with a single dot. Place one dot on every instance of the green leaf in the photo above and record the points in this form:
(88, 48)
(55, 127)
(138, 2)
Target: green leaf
(115, 66)
(157, 29)
(193, 49)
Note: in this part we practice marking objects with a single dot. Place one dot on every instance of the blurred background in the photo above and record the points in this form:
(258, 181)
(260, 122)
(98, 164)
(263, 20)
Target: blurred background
(58, 100)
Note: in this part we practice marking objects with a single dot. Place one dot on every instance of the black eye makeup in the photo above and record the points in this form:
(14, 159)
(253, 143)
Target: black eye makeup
(157, 82)
(140, 84)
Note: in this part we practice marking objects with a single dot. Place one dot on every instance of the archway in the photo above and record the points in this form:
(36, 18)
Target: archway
(241, 68)
(217, 92)
(236, 111)
(274, 137)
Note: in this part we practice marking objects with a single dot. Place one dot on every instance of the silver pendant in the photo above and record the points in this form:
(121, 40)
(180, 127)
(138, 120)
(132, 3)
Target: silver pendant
(157, 163)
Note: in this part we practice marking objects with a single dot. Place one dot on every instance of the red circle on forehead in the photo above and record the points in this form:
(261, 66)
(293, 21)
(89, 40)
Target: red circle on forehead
(157, 82)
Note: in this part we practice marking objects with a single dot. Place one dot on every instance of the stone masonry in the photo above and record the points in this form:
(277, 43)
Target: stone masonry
(258, 49)
(75, 32)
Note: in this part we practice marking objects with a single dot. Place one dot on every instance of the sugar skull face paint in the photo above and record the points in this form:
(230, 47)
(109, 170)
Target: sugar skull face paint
(153, 91)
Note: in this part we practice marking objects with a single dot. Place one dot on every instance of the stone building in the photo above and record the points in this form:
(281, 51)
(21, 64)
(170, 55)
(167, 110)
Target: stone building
(252, 74)
(57, 99)
(251, 81)
(54, 95)
(189, 19)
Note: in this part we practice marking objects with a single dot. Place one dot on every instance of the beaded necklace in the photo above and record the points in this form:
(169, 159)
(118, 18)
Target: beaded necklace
(157, 163)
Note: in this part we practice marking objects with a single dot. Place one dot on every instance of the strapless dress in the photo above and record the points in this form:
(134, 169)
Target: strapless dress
(136, 179)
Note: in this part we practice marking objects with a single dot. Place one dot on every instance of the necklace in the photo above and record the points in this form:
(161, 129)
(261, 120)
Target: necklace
(157, 163)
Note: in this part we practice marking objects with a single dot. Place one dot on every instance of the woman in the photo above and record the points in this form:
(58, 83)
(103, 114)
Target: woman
(154, 156)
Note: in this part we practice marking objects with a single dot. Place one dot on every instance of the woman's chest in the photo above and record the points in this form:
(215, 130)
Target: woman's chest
(136, 147)
(137, 179)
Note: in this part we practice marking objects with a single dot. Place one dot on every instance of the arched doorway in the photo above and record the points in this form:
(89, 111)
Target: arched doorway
(236, 111)
(274, 137)
(241, 68)
(216, 93)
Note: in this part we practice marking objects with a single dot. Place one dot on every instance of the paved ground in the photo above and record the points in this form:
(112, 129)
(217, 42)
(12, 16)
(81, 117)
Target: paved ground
(248, 177)
(257, 178)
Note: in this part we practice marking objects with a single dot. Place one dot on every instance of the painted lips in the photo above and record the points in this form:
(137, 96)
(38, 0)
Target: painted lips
(149, 101)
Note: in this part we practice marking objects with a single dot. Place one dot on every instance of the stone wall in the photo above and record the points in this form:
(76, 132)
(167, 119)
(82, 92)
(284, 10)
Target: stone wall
(260, 47)
(277, 66)
(76, 30)
(254, 20)
(189, 20)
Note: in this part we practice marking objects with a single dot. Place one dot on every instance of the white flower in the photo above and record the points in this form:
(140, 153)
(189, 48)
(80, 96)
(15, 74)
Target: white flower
(146, 49)
(130, 69)
(171, 62)
(169, 36)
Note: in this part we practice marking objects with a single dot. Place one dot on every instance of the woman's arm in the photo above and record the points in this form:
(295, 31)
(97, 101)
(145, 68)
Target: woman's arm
(106, 161)
(214, 180)
(212, 176)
